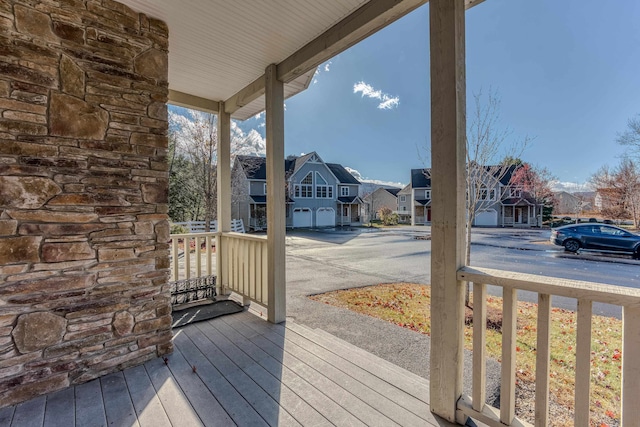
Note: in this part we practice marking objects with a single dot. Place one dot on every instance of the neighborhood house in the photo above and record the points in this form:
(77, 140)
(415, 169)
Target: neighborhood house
(499, 203)
(318, 194)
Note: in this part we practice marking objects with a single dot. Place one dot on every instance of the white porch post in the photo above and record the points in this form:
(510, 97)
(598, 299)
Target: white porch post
(224, 189)
(276, 279)
(448, 127)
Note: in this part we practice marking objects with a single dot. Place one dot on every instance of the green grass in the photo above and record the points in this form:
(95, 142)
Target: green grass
(408, 305)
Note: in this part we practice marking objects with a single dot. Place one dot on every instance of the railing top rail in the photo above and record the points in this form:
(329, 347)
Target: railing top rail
(192, 235)
(599, 292)
(242, 236)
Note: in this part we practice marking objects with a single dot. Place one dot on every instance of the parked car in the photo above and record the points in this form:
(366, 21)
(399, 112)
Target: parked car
(598, 237)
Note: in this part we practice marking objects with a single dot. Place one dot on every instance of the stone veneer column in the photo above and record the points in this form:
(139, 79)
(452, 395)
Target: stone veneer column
(83, 193)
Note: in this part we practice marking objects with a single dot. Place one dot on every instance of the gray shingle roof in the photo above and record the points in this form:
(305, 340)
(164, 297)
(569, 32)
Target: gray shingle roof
(421, 178)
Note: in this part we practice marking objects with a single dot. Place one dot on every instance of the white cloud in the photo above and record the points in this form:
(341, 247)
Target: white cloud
(373, 182)
(327, 66)
(571, 187)
(388, 102)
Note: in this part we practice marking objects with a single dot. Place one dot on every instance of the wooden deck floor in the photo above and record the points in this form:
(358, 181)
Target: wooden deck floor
(247, 373)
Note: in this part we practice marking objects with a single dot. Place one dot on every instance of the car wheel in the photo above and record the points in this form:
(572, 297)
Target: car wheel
(636, 253)
(571, 245)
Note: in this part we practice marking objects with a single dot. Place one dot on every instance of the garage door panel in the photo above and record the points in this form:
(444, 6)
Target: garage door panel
(302, 217)
(487, 218)
(325, 217)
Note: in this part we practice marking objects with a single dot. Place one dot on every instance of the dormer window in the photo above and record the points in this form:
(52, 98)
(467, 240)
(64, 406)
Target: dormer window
(344, 191)
(427, 194)
(487, 194)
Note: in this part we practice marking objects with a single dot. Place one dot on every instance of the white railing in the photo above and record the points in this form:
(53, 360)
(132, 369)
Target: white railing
(200, 226)
(586, 293)
(238, 260)
(243, 265)
(183, 264)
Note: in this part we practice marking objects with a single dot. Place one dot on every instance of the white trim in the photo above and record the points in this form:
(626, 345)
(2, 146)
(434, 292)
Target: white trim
(342, 188)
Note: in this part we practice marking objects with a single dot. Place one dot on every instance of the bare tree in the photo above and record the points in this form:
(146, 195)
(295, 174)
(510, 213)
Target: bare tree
(619, 190)
(487, 143)
(631, 136)
(197, 140)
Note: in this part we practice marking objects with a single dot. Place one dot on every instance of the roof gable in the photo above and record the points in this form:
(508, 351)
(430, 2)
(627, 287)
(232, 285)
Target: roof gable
(421, 178)
(341, 174)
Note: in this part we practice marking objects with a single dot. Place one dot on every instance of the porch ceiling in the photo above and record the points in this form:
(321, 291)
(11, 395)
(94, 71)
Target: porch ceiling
(219, 49)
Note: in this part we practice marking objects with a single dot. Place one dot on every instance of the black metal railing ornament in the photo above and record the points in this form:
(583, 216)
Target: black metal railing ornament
(191, 290)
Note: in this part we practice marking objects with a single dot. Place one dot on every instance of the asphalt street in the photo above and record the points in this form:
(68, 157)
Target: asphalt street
(320, 261)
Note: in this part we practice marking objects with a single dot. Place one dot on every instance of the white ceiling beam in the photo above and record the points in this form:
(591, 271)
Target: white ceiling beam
(249, 93)
(363, 22)
(360, 24)
(182, 99)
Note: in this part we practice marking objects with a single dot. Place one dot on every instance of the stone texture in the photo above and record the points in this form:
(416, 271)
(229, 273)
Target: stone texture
(155, 193)
(8, 227)
(71, 77)
(123, 323)
(15, 250)
(37, 331)
(83, 123)
(73, 118)
(26, 192)
(57, 252)
(152, 63)
(32, 22)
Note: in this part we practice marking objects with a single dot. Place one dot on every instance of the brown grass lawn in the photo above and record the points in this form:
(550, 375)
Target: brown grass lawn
(408, 305)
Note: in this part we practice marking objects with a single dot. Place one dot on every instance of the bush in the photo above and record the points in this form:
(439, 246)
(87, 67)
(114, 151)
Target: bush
(387, 216)
(178, 229)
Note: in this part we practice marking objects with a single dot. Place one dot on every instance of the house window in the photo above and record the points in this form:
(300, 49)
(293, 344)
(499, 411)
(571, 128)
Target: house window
(323, 189)
(344, 191)
(515, 192)
(403, 198)
(304, 190)
(427, 194)
(486, 194)
(265, 188)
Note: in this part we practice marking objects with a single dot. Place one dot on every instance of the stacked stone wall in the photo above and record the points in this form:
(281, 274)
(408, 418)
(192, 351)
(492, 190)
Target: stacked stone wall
(83, 193)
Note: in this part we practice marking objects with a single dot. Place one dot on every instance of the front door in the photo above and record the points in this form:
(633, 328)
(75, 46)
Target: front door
(517, 216)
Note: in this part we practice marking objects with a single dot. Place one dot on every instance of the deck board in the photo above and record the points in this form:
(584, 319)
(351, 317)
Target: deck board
(247, 373)
(117, 402)
(146, 403)
(60, 410)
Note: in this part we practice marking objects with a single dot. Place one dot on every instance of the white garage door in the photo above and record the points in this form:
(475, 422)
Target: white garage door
(487, 218)
(325, 217)
(302, 217)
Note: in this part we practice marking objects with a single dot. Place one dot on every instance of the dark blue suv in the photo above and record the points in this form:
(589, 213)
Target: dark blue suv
(597, 237)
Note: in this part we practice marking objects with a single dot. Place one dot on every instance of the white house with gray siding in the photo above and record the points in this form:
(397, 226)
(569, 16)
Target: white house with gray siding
(319, 194)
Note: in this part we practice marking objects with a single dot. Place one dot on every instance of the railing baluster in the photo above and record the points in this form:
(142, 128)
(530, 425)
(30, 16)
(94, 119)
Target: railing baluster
(630, 365)
(198, 258)
(508, 364)
(208, 255)
(187, 257)
(265, 287)
(252, 272)
(479, 345)
(543, 354)
(175, 259)
(583, 363)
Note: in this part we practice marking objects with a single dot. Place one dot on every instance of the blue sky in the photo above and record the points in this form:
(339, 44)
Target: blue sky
(567, 73)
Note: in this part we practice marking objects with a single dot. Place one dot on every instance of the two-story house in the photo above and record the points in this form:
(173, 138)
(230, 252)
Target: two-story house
(420, 187)
(405, 205)
(381, 197)
(319, 194)
(499, 204)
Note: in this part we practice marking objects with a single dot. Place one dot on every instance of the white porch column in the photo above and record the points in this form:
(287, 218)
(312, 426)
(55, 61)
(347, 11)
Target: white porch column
(448, 127)
(224, 189)
(276, 279)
